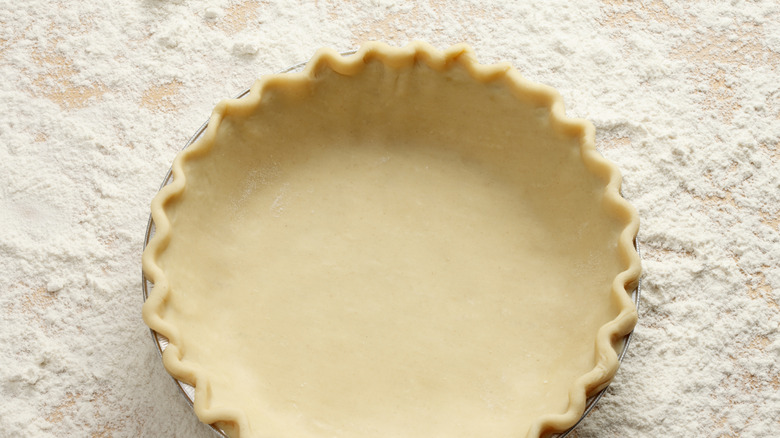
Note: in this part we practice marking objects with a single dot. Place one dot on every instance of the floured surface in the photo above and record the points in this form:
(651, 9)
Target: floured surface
(99, 98)
(398, 253)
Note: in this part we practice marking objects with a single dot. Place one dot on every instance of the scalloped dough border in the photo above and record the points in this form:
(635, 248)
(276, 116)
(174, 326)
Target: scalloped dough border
(608, 336)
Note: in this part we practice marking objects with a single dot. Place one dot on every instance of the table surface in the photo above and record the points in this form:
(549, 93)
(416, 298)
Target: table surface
(685, 97)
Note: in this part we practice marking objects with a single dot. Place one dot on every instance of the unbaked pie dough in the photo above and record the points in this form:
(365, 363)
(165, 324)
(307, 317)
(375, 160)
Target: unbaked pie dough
(400, 243)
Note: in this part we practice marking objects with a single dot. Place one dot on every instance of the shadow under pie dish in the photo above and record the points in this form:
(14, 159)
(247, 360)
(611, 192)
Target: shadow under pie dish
(398, 242)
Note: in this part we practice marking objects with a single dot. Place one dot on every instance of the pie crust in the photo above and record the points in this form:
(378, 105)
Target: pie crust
(397, 243)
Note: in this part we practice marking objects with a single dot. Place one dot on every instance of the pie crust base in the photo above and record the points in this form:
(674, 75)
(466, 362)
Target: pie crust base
(400, 242)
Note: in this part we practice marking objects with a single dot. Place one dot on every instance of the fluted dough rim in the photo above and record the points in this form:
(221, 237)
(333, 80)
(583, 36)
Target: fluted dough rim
(608, 335)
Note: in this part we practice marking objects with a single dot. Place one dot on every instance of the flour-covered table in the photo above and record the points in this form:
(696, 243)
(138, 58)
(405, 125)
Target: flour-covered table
(98, 99)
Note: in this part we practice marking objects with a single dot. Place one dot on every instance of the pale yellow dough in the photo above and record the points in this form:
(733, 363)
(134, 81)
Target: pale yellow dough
(394, 250)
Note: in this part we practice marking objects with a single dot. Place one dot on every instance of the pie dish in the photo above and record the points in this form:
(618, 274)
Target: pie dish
(399, 242)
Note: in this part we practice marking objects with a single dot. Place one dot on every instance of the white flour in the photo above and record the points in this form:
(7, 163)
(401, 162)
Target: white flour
(98, 97)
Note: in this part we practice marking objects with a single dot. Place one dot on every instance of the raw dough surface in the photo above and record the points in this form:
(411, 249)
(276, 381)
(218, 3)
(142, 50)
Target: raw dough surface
(400, 252)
